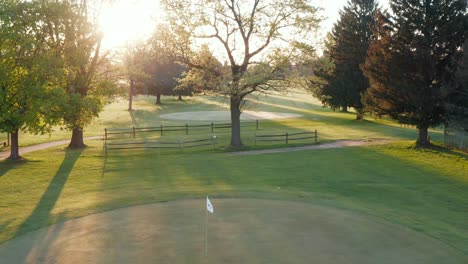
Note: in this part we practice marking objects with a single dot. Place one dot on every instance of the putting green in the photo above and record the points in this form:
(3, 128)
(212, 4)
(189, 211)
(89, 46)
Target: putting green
(240, 231)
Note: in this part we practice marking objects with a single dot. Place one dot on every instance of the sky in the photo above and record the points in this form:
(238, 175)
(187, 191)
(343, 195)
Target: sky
(129, 20)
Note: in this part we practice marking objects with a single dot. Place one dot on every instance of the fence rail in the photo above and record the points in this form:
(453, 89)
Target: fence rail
(286, 137)
(212, 141)
(133, 131)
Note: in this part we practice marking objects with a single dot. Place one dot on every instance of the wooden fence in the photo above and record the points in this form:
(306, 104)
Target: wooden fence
(162, 129)
(7, 141)
(193, 143)
(287, 137)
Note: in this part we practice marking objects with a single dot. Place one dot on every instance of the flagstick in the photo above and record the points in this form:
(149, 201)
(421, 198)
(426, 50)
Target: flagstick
(206, 229)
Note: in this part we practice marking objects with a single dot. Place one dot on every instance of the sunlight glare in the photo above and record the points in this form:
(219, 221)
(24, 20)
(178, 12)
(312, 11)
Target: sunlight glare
(128, 21)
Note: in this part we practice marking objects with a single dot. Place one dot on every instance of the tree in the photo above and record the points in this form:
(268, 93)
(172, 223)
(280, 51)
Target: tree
(161, 64)
(89, 84)
(134, 63)
(413, 56)
(244, 29)
(457, 95)
(205, 74)
(30, 93)
(347, 49)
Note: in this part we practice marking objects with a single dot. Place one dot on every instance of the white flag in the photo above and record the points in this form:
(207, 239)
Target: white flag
(209, 206)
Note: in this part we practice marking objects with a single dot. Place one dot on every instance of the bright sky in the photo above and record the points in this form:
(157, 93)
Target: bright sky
(129, 20)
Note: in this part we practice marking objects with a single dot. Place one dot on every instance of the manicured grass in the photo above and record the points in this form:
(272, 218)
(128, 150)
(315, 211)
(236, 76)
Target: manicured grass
(240, 231)
(330, 124)
(422, 189)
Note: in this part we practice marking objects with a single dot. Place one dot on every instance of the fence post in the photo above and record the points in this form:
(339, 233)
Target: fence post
(213, 140)
(316, 136)
(105, 144)
(257, 125)
(161, 129)
(186, 129)
(286, 138)
(134, 134)
(212, 127)
(105, 135)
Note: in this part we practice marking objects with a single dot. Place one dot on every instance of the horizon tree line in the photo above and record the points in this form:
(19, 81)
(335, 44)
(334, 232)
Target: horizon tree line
(406, 64)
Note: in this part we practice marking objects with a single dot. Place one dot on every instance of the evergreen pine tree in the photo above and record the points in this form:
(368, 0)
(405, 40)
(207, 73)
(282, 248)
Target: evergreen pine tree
(457, 95)
(414, 55)
(347, 48)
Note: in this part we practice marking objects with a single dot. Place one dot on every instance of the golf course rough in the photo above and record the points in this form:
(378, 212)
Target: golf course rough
(240, 231)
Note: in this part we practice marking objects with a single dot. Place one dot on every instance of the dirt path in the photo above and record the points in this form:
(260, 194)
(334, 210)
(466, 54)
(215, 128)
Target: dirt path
(24, 150)
(337, 144)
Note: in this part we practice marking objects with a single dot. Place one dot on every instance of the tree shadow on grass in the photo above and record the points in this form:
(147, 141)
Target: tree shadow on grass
(41, 215)
(7, 165)
(442, 149)
(135, 122)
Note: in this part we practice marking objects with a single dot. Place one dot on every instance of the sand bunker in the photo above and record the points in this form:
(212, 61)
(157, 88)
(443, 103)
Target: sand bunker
(225, 115)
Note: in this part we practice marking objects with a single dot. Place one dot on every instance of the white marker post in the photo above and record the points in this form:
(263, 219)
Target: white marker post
(209, 208)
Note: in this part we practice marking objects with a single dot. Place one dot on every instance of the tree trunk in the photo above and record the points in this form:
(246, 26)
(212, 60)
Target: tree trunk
(158, 99)
(130, 96)
(180, 98)
(14, 150)
(235, 122)
(344, 109)
(359, 114)
(423, 138)
(77, 140)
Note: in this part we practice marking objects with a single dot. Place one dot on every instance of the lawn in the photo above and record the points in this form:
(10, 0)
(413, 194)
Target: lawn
(424, 190)
(330, 124)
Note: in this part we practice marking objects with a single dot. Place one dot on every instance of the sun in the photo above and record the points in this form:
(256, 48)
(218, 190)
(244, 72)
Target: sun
(126, 21)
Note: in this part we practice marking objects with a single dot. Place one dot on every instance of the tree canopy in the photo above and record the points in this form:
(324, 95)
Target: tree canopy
(342, 85)
(244, 30)
(89, 82)
(413, 56)
(30, 72)
(205, 73)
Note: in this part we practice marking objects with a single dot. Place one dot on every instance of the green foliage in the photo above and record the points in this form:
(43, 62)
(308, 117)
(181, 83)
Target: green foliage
(30, 72)
(343, 85)
(244, 29)
(206, 73)
(414, 55)
(86, 80)
(155, 66)
(133, 67)
(457, 95)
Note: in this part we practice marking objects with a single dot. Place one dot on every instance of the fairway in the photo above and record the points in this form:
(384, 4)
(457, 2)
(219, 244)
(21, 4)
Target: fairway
(320, 135)
(240, 231)
(362, 194)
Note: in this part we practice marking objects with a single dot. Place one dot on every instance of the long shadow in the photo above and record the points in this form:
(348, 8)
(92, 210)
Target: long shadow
(41, 215)
(344, 120)
(5, 166)
(448, 151)
(135, 122)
